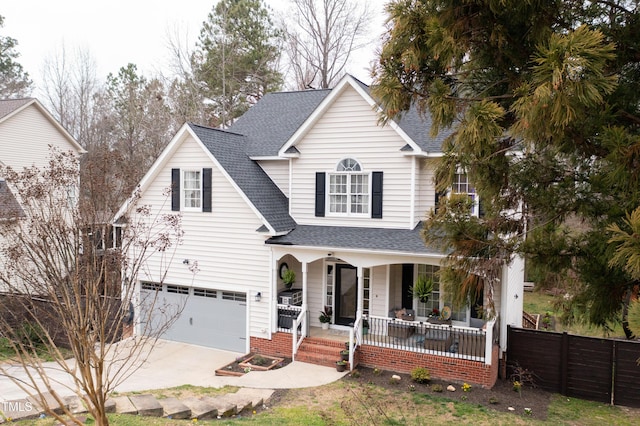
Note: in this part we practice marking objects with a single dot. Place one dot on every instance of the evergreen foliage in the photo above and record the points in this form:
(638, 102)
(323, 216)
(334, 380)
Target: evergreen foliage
(237, 57)
(543, 102)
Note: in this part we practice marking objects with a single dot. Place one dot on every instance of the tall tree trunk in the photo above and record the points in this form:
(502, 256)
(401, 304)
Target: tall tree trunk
(625, 315)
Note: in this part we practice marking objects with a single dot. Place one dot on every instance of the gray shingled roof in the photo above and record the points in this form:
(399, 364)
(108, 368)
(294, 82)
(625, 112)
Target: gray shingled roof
(417, 127)
(9, 206)
(7, 106)
(275, 118)
(377, 239)
(230, 151)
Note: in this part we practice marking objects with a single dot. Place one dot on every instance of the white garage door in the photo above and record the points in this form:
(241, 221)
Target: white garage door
(212, 318)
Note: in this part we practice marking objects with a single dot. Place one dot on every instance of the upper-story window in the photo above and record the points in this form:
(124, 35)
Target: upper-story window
(192, 189)
(349, 190)
(461, 185)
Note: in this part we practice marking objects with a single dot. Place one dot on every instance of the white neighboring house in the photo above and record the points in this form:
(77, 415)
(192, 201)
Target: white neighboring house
(27, 131)
(310, 181)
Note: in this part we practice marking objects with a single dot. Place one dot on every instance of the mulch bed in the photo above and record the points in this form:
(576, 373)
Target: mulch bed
(252, 362)
(500, 398)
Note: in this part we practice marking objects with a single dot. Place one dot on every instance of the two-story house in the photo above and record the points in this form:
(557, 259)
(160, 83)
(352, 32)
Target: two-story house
(27, 133)
(310, 181)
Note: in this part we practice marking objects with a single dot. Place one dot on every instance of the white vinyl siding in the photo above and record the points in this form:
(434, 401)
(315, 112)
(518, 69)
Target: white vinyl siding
(349, 129)
(278, 171)
(25, 139)
(230, 254)
(425, 188)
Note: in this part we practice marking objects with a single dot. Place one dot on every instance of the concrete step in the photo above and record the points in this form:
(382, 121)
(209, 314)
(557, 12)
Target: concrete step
(174, 408)
(147, 405)
(200, 409)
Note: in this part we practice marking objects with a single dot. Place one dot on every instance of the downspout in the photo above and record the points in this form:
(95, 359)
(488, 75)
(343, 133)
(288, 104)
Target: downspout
(412, 206)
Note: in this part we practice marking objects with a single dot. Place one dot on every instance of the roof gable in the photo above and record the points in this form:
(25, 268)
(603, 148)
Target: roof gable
(229, 149)
(11, 107)
(413, 128)
(275, 118)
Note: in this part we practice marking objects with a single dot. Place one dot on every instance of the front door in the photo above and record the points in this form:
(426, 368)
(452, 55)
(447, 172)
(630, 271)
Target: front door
(346, 294)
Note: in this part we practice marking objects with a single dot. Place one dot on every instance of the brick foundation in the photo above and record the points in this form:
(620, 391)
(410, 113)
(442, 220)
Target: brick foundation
(279, 346)
(440, 367)
(444, 368)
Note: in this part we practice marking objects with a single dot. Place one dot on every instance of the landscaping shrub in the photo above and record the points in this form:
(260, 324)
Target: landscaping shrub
(420, 375)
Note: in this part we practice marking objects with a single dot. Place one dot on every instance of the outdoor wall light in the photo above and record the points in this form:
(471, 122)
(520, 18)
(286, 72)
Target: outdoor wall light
(258, 296)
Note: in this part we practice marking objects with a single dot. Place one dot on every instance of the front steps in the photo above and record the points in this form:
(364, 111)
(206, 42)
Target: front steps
(206, 407)
(319, 351)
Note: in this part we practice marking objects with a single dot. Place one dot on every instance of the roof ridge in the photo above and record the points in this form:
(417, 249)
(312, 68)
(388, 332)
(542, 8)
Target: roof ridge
(215, 129)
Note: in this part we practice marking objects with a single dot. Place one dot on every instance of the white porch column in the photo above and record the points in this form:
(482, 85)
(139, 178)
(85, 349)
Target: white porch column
(274, 294)
(305, 305)
(360, 305)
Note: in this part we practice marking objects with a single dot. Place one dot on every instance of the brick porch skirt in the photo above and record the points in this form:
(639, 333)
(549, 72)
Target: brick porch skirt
(441, 367)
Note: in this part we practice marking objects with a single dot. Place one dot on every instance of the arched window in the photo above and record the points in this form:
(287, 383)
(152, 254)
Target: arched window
(349, 188)
(349, 165)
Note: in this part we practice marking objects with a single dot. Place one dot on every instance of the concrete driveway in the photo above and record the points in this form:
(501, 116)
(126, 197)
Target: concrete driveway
(172, 364)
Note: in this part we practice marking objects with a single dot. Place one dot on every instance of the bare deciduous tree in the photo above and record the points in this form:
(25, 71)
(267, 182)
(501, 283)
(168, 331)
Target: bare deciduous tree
(321, 34)
(64, 287)
(70, 85)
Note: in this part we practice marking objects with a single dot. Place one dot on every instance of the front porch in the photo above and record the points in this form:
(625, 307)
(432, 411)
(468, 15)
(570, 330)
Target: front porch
(456, 353)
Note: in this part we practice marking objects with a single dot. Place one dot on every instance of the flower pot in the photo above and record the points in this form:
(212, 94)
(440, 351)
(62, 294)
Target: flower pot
(344, 355)
(341, 366)
(325, 325)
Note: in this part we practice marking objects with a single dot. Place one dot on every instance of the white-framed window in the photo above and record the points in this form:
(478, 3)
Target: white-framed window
(424, 309)
(328, 297)
(192, 189)
(366, 283)
(349, 189)
(461, 185)
(438, 298)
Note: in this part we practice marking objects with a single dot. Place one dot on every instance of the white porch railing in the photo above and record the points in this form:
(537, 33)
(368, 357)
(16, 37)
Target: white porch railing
(293, 319)
(417, 336)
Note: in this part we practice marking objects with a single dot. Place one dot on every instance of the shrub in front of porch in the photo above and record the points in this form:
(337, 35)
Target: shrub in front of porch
(440, 367)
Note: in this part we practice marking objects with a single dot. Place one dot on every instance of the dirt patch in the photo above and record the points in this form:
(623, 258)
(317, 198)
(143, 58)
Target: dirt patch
(366, 386)
(501, 397)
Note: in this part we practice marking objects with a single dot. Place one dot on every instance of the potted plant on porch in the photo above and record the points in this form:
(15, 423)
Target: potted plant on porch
(341, 366)
(325, 317)
(422, 288)
(288, 278)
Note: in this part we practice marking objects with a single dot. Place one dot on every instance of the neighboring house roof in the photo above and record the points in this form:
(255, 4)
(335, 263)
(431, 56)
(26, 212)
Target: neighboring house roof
(9, 206)
(272, 121)
(10, 107)
(230, 151)
(376, 239)
(7, 106)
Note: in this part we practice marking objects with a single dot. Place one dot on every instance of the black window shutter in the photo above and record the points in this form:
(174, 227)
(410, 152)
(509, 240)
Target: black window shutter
(320, 191)
(480, 209)
(175, 190)
(376, 195)
(206, 190)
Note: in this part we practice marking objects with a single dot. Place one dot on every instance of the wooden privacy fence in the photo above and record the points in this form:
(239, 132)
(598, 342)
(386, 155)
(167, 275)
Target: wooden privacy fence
(597, 369)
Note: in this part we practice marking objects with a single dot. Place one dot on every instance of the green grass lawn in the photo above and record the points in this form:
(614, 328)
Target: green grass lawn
(539, 303)
(343, 403)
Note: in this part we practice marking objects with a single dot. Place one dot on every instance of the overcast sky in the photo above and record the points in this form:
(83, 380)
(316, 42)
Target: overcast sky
(119, 32)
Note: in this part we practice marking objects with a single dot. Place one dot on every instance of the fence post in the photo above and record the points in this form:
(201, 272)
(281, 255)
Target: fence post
(614, 362)
(564, 363)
